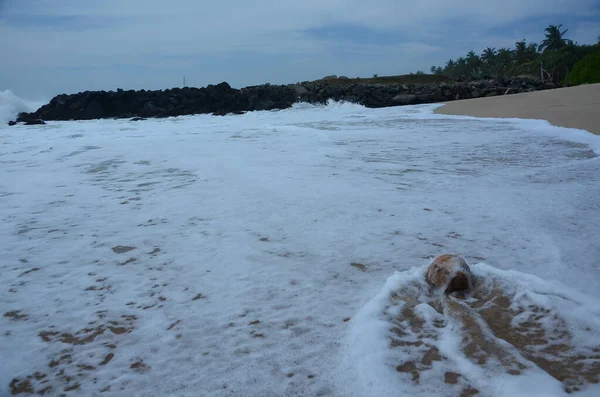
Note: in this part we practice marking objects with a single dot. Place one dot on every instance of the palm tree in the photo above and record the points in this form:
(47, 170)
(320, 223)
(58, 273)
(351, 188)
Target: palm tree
(525, 58)
(488, 58)
(533, 48)
(473, 59)
(436, 70)
(520, 49)
(449, 68)
(504, 59)
(461, 68)
(488, 55)
(504, 52)
(473, 69)
(472, 56)
(554, 40)
(525, 52)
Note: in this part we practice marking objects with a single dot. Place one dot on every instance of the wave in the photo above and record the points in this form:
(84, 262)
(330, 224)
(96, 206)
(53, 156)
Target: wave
(515, 335)
(541, 127)
(11, 105)
(330, 105)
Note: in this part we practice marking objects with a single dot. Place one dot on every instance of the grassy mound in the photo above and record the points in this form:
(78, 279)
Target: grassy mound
(586, 70)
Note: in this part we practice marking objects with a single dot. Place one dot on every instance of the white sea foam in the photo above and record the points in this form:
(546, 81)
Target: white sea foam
(11, 105)
(404, 341)
(258, 236)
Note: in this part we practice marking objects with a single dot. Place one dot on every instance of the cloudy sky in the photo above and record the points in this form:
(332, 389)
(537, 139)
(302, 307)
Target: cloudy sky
(54, 46)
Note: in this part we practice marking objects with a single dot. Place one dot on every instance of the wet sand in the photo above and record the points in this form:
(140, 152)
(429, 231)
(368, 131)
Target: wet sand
(571, 107)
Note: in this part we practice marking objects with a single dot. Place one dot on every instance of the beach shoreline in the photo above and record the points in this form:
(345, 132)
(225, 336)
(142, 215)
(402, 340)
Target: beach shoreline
(571, 107)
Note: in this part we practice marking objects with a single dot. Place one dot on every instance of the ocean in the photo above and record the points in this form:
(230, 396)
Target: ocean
(282, 254)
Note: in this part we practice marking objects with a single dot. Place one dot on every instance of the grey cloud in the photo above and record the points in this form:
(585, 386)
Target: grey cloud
(142, 33)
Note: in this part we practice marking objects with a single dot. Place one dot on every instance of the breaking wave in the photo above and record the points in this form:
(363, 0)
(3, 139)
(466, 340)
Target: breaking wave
(11, 105)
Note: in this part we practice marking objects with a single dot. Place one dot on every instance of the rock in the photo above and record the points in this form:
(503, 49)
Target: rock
(426, 98)
(150, 109)
(451, 378)
(265, 104)
(404, 99)
(59, 102)
(94, 111)
(25, 117)
(224, 86)
(449, 273)
(35, 122)
(138, 119)
(223, 99)
(121, 249)
(300, 90)
(11, 123)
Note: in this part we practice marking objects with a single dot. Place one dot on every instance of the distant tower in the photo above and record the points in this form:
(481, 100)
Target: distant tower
(184, 81)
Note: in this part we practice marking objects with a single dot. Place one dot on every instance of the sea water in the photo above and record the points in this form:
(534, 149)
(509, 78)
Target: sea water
(282, 253)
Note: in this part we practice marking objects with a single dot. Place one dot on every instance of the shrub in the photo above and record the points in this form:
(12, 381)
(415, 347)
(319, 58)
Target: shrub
(586, 70)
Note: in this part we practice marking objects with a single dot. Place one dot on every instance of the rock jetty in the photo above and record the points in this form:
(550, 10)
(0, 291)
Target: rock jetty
(222, 99)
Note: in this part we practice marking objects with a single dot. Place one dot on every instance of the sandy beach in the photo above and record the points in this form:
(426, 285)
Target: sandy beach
(571, 107)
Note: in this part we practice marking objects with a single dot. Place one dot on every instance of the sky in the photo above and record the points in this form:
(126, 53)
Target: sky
(52, 47)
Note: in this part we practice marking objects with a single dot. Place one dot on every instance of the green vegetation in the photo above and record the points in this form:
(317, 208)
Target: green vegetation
(587, 70)
(553, 58)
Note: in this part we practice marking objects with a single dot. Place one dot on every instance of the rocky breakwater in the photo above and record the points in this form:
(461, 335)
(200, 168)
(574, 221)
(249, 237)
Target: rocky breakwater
(217, 99)
(221, 99)
(376, 95)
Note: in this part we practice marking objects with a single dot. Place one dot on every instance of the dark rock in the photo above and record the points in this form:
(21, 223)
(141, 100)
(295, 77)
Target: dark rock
(265, 104)
(25, 117)
(138, 119)
(404, 99)
(94, 111)
(149, 109)
(11, 123)
(121, 249)
(224, 86)
(222, 99)
(121, 107)
(300, 90)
